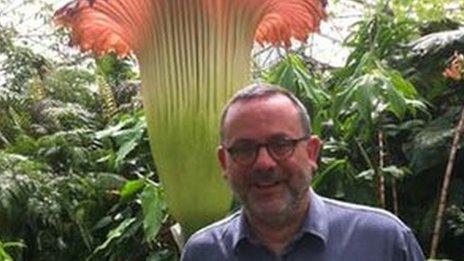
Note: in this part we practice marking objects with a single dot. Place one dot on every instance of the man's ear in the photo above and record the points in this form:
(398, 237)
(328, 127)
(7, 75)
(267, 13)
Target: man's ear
(221, 154)
(313, 147)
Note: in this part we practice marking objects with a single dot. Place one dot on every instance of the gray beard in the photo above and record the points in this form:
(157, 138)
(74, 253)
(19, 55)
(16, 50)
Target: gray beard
(283, 217)
(287, 213)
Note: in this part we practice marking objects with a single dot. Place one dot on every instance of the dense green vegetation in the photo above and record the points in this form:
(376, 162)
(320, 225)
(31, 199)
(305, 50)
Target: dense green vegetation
(78, 181)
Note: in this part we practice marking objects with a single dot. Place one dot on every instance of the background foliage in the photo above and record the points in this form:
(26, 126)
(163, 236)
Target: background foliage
(78, 182)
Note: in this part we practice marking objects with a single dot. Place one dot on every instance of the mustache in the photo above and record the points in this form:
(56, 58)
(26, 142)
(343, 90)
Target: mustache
(260, 176)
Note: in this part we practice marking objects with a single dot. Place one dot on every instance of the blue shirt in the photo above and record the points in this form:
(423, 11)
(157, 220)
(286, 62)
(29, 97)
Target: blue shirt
(333, 230)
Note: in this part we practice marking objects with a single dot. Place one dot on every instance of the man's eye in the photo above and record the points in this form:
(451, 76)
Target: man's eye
(244, 148)
(280, 146)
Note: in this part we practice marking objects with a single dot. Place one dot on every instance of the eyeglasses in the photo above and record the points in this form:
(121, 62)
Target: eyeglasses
(246, 152)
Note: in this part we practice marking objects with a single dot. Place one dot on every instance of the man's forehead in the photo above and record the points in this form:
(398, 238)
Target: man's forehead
(260, 113)
(264, 103)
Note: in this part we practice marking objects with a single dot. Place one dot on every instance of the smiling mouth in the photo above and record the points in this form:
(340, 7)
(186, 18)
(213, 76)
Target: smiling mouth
(267, 185)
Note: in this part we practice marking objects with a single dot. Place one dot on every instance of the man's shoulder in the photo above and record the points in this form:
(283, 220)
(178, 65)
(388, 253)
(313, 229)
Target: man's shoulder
(364, 216)
(357, 230)
(214, 240)
(215, 230)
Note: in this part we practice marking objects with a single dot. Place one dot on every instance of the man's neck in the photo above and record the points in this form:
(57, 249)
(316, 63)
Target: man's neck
(277, 235)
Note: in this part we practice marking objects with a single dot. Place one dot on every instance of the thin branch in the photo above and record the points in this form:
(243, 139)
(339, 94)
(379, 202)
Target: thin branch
(12, 9)
(364, 154)
(333, 39)
(380, 176)
(445, 185)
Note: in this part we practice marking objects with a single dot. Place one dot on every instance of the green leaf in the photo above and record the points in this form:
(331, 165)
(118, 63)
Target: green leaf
(103, 222)
(315, 95)
(115, 234)
(4, 256)
(154, 211)
(14, 244)
(396, 102)
(127, 147)
(394, 171)
(402, 85)
(131, 188)
(109, 131)
(163, 255)
(416, 104)
(319, 178)
(343, 99)
(367, 175)
(364, 96)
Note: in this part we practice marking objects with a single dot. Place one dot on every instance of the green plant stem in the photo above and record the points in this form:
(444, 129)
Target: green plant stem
(364, 154)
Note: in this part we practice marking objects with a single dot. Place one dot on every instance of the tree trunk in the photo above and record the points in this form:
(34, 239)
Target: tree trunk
(380, 177)
(394, 196)
(383, 159)
(445, 185)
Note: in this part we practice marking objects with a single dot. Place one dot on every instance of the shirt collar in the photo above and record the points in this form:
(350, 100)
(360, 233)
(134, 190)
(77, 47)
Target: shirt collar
(239, 229)
(316, 222)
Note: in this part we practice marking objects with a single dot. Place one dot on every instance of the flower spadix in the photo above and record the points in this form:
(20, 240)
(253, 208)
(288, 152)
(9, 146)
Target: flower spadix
(193, 55)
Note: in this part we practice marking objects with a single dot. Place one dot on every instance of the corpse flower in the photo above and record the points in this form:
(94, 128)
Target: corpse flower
(193, 55)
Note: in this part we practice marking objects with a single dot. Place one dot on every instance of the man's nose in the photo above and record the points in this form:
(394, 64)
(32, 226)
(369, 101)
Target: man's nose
(264, 160)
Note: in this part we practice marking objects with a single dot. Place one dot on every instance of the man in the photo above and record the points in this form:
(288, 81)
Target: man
(268, 156)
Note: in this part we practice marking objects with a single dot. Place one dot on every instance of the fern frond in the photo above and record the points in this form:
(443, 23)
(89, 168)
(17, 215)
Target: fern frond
(109, 103)
(37, 89)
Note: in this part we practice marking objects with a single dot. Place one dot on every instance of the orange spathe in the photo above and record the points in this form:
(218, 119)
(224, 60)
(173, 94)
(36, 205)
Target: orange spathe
(103, 26)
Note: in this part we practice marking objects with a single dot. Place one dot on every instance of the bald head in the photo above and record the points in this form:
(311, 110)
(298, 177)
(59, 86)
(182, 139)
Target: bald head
(260, 91)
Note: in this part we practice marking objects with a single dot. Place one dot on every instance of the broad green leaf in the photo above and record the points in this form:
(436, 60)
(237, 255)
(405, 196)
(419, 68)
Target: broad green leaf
(286, 78)
(154, 211)
(109, 131)
(129, 133)
(394, 171)
(343, 99)
(351, 127)
(314, 94)
(402, 85)
(4, 256)
(367, 174)
(275, 74)
(103, 222)
(127, 147)
(365, 96)
(131, 188)
(416, 104)
(395, 101)
(364, 63)
(320, 177)
(115, 234)
(14, 244)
